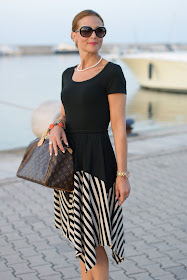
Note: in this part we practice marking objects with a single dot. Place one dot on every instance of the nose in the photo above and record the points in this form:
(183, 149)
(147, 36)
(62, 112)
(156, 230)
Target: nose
(93, 34)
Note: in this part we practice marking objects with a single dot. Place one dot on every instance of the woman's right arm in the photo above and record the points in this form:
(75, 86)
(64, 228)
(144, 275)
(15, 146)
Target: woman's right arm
(56, 134)
(62, 114)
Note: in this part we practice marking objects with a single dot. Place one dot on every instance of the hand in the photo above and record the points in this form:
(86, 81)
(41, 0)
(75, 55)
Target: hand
(122, 189)
(56, 134)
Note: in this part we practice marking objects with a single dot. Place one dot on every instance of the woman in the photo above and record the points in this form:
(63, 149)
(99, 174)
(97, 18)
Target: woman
(91, 217)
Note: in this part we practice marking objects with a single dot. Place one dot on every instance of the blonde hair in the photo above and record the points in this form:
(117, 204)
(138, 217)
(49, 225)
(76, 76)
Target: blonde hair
(81, 15)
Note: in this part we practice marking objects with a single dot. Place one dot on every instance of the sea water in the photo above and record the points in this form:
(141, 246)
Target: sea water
(28, 81)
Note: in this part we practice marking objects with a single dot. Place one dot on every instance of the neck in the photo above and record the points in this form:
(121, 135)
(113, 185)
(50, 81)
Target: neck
(89, 60)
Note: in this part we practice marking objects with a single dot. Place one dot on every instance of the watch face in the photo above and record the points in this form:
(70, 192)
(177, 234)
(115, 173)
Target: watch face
(127, 173)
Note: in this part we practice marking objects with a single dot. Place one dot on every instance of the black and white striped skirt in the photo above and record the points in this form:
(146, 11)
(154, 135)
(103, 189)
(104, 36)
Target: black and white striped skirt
(91, 216)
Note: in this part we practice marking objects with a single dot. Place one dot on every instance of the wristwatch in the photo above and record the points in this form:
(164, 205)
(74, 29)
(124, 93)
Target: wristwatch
(125, 174)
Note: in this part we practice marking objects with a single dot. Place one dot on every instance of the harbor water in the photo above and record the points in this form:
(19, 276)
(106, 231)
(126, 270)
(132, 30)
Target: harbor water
(28, 81)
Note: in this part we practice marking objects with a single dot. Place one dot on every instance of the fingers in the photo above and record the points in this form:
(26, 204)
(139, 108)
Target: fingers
(123, 196)
(59, 142)
(117, 193)
(50, 147)
(64, 137)
(55, 148)
(55, 142)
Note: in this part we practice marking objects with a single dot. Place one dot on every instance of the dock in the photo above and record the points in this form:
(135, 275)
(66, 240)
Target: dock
(155, 217)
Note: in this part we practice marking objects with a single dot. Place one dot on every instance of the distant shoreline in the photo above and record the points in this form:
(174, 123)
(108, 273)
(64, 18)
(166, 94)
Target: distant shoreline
(106, 48)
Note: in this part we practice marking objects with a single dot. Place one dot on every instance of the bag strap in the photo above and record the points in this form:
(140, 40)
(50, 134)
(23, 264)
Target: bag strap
(44, 136)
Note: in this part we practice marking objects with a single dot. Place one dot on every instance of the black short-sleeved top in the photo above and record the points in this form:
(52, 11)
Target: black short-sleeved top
(86, 103)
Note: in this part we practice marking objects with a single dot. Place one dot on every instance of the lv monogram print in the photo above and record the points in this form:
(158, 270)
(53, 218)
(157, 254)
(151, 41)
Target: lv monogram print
(51, 171)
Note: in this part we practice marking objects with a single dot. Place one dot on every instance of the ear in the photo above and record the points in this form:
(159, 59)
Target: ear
(73, 35)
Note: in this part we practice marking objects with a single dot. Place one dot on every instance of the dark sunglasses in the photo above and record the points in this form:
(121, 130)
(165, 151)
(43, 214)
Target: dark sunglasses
(86, 31)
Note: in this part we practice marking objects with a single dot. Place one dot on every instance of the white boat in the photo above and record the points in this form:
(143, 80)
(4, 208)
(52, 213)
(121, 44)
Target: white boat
(65, 49)
(165, 71)
(6, 50)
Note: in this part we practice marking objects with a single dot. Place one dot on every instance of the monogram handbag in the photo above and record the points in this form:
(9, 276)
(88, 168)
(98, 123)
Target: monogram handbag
(50, 171)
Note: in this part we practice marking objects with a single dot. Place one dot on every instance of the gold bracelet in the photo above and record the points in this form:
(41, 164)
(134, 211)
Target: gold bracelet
(125, 174)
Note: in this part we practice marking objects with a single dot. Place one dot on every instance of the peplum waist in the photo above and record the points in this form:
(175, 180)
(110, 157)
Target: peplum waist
(86, 131)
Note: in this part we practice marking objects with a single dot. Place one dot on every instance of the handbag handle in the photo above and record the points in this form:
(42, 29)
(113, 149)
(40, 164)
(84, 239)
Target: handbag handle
(44, 136)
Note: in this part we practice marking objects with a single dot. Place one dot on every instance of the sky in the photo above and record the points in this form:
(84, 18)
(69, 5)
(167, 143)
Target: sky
(48, 22)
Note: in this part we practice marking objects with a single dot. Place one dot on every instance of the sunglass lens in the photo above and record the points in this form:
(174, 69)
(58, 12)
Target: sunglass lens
(100, 32)
(86, 31)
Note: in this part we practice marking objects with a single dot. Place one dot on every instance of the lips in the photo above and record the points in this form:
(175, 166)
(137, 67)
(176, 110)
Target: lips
(92, 43)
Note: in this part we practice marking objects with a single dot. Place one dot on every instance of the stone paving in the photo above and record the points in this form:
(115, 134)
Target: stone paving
(155, 218)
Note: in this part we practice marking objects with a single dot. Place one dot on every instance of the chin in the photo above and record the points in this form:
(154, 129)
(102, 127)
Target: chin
(94, 48)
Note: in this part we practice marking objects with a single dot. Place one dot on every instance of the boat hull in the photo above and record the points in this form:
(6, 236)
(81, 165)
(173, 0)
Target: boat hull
(157, 73)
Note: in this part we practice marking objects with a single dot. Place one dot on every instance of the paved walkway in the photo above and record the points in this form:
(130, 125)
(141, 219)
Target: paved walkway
(155, 217)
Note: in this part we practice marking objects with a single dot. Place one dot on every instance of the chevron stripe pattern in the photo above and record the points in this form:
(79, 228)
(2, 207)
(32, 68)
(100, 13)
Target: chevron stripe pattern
(90, 217)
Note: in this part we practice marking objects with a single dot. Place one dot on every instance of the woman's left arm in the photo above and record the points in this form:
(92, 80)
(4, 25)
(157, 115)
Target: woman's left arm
(117, 104)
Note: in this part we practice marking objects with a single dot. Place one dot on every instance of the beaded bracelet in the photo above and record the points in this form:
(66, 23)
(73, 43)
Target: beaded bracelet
(59, 123)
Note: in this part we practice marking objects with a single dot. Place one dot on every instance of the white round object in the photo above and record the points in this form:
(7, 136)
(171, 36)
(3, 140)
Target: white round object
(44, 115)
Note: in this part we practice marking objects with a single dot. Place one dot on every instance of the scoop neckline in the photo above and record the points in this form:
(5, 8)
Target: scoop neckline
(90, 78)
